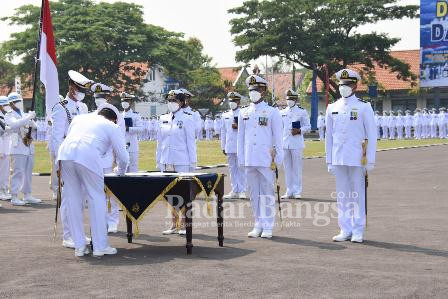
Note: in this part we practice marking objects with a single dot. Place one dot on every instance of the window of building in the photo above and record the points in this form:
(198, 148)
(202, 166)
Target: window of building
(403, 105)
(152, 74)
(431, 103)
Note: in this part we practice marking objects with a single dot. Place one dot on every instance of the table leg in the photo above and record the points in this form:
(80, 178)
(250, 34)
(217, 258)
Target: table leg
(189, 217)
(220, 220)
(129, 229)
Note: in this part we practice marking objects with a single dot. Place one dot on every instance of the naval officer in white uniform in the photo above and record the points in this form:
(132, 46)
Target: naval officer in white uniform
(296, 122)
(350, 121)
(4, 151)
(89, 137)
(21, 150)
(134, 127)
(229, 138)
(260, 145)
(176, 143)
(62, 115)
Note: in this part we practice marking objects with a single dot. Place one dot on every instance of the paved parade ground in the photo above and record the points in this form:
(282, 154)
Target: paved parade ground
(405, 253)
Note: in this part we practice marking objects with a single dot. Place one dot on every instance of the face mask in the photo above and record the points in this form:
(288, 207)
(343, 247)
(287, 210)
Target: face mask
(254, 96)
(173, 106)
(99, 102)
(345, 91)
(79, 96)
(233, 105)
(290, 103)
(125, 105)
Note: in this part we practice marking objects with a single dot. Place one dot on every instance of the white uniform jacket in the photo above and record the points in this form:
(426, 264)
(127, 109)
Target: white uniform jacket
(176, 143)
(290, 115)
(349, 122)
(320, 121)
(19, 128)
(134, 131)
(61, 116)
(89, 137)
(259, 131)
(196, 118)
(229, 136)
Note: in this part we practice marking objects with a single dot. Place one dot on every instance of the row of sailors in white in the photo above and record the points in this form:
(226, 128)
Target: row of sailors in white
(426, 125)
(16, 148)
(321, 125)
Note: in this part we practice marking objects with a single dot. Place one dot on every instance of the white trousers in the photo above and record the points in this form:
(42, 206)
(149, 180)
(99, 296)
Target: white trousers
(407, 131)
(292, 162)
(391, 132)
(442, 131)
(260, 184)
(133, 162)
(378, 131)
(418, 131)
(350, 194)
(208, 134)
(176, 168)
(237, 175)
(113, 216)
(22, 172)
(385, 132)
(53, 176)
(4, 172)
(433, 131)
(400, 132)
(77, 177)
(321, 133)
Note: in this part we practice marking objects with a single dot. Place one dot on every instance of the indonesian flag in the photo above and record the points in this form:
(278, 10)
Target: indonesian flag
(47, 57)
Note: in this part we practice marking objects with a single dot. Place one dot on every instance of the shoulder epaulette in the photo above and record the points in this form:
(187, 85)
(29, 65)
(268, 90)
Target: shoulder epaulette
(188, 113)
(243, 107)
(361, 100)
(300, 107)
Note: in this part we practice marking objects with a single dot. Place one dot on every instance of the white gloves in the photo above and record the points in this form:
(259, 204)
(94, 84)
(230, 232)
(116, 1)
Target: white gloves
(369, 167)
(119, 172)
(31, 115)
(330, 168)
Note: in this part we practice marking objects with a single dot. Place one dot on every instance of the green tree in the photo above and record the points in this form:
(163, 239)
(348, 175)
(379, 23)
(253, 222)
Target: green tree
(320, 32)
(108, 42)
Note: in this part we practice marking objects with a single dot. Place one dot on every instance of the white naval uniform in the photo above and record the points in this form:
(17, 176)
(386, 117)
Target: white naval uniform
(321, 126)
(217, 124)
(176, 143)
(259, 133)
(399, 125)
(384, 126)
(132, 139)
(208, 129)
(408, 120)
(4, 160)
(392, 121)
(89, 137)
(442, 123)
(418, 125)
(197, 121)
(22, 156)
(229, 139)
(433, 124)
(61, 116)
(349, 122)
(378, 120)
(425, 125)
(293, 147)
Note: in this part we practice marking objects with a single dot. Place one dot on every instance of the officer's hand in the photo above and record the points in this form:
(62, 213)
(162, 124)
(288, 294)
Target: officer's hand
(31, 115)
(369, 167)
(295, 131)
(330, 169)
(234, 126)
(224, 152)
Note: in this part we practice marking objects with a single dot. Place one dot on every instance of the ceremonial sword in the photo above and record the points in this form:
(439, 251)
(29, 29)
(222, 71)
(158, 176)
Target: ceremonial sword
(366, 175)
(275, 169)
(58, 200)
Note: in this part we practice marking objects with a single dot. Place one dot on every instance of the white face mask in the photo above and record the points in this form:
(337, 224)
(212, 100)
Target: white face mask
(290, 103)
(125, 105)
(233, 105)
(79, 96)
(173, 106)
(345, 91)
(254, 96)
(99, 102)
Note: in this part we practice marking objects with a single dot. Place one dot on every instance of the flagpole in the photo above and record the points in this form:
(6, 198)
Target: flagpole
(36, 61)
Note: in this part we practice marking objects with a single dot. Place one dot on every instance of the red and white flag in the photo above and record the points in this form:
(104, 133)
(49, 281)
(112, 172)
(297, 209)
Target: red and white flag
(47, 57)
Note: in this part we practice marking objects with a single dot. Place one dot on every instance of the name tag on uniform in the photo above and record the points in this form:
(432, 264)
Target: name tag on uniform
(165, 122)
(334, 112)
(284, 115)
(263, 121)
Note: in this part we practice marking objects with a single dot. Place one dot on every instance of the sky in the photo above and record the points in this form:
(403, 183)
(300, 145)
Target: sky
(208, 20)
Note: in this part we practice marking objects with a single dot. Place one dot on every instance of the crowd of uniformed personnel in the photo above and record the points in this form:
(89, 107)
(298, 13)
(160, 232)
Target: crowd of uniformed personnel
(256, 139)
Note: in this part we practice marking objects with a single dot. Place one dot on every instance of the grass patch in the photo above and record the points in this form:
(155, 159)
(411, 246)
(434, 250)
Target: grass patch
(209, 152)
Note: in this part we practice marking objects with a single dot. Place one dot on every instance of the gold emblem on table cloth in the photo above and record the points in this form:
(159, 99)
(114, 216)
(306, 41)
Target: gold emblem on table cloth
(135, 208)
(209, 185)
